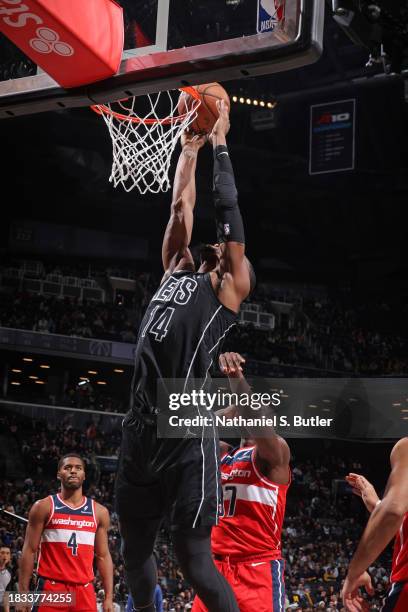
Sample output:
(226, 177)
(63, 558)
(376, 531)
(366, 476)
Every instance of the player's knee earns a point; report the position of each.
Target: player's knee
(192, 568)
(134, 558)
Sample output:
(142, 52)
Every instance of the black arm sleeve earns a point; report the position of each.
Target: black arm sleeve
(230, 227)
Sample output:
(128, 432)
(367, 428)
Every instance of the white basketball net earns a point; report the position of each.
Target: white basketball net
(143, 145)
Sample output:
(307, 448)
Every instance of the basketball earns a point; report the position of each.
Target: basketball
(207, 112)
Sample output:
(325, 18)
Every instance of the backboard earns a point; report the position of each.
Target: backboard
(174, 43)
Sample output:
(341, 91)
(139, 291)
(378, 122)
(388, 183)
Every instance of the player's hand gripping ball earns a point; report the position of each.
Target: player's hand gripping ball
(208, 112)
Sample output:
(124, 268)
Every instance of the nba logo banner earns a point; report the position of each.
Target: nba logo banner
(270, 14)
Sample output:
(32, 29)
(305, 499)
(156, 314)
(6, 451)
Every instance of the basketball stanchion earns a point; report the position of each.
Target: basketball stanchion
(143, 144)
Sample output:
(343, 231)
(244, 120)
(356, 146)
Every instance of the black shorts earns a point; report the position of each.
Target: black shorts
(172, 478)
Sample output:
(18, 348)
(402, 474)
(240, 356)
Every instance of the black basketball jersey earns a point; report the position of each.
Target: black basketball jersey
(180, 335)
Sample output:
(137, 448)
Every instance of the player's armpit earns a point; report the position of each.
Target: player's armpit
(183, 261)
(232, 293)
(234, 261)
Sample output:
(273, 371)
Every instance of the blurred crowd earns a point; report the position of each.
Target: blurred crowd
(328, 334)
(322, 526)
(68, 316)
(369, 339)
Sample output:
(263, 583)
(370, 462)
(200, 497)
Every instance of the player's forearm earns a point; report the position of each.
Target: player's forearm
(26, 569)
(382, 526)
(218, 138)
(229, 224)
(105, 569)
(184, 180)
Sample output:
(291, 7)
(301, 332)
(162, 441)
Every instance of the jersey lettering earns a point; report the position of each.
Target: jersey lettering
(72, 544)
(68, 541)
(160, 327)
(181, 288)
(185, 291)
(230, 492)
(252, 505)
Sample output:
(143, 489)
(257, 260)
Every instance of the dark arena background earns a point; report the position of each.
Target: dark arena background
(326, 231)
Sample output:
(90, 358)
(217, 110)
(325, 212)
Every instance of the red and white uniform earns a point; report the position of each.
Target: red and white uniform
(399, 571)
(397, 598)
(66, 556)
(247, 541)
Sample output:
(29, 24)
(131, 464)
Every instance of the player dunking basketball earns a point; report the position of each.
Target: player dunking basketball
(389, 518)
(246, 543)
(69, 531)
(178, 338)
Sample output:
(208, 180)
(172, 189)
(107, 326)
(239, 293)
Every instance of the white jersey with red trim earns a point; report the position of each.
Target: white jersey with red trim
(253, 512)
(399, 571)
(67, 542)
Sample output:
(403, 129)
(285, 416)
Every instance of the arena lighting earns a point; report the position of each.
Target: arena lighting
(15, 383)
(45, 367)
(254, 102)
(39, 382)
(16, 371)
(118, 371)
(397, 404)
(92, 372)
(101, 382)
(83, 380)
(27, 359)
(33, 377)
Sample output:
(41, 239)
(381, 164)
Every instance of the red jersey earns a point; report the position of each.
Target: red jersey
(254, 509)
(67, 542)
(399, 571)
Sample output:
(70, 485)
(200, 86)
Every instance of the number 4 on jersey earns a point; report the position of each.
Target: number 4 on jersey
(72, 544)
(160, 327)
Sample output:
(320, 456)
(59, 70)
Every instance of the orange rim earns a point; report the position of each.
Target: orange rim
(102, 109)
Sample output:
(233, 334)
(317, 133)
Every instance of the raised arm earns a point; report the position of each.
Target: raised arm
(383, 524)
(270, 448)
(177, 237)
(230, 227)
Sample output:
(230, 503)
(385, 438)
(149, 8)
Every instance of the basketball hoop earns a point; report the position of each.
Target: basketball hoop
(142, 141)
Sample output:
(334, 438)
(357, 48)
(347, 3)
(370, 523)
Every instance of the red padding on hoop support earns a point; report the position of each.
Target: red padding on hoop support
(75, 41)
